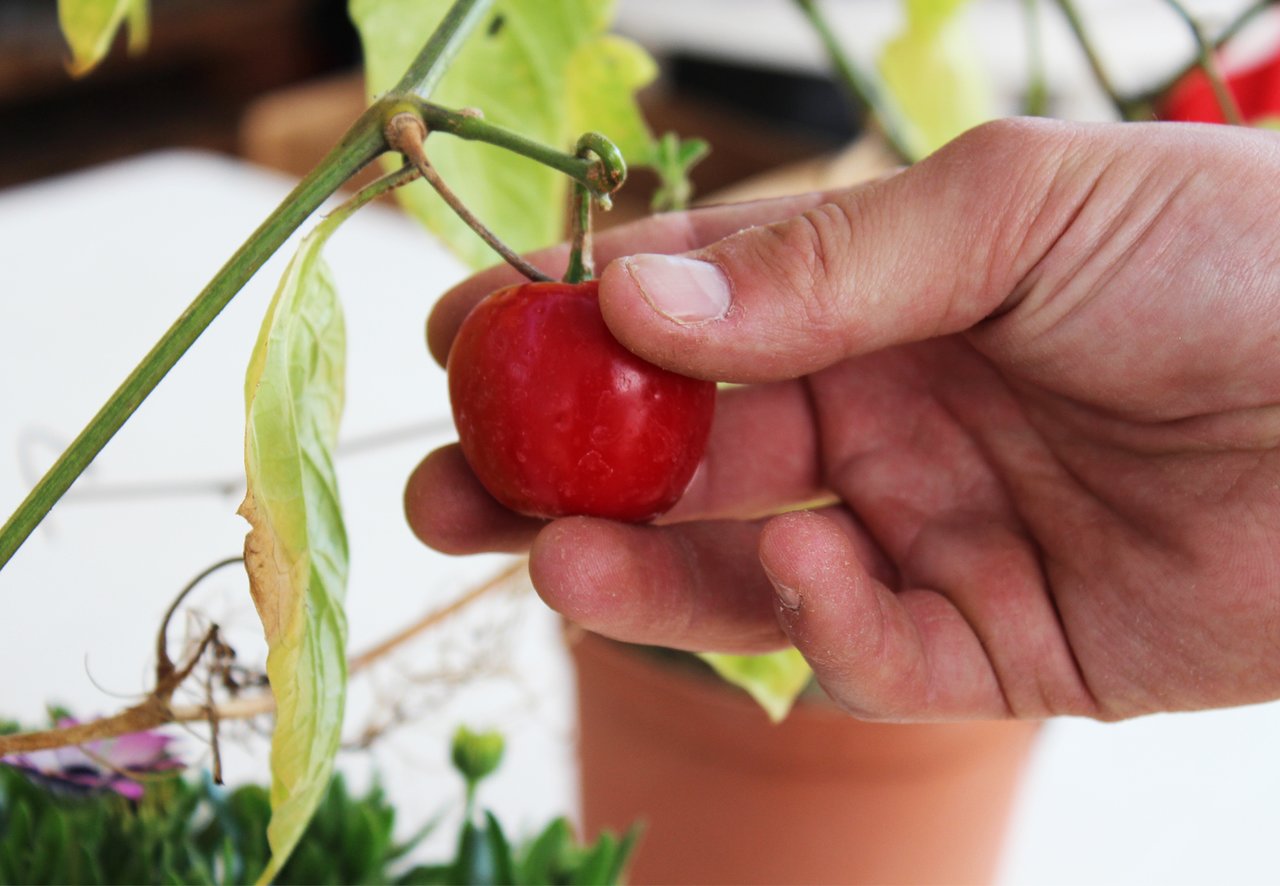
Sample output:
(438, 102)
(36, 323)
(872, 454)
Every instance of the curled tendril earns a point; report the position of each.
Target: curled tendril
(610, 169)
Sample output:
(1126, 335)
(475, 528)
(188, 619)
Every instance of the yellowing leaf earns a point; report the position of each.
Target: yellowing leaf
(539, 67)
(296, 550)
(934, 73)
(774, 680)
(91, 25)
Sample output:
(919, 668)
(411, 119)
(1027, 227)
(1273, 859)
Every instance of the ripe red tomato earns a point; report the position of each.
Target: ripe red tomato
(557, 418)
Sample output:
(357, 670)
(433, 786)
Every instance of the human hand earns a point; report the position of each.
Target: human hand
(1036, 378)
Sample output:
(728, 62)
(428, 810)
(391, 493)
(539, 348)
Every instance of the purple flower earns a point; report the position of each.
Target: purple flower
(97, 766)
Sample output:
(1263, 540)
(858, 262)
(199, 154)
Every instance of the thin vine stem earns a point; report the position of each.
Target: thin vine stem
(896, 129)
(601, 175)
(1225, 36)
(1207, 62)
(494, 242)
(1127, 108)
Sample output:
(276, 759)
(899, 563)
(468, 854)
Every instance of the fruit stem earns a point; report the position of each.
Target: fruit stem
(610, 171)
(582, 266)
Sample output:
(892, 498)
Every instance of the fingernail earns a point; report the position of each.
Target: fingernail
(788, 597)
(683, 290)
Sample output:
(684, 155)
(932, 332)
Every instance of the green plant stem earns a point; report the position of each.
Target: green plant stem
(1227, 34)
(1037, 99)
(472, 127)
(864, 88)
(361, 145)
(363, 142)
(581, 266)
(1205, 58)
(1127, 108)
(428, 67)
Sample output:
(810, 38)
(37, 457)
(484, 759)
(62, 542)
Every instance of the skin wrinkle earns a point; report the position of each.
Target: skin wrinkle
(1133, 450)
(801, 240)
(1076, 682)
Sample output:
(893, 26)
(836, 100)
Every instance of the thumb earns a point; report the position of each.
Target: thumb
(930, 251)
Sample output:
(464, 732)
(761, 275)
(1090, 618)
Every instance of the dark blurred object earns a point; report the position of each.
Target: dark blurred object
(807, 104)
(206, 61)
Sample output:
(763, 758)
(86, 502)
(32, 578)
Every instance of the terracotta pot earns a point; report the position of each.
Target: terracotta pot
(728, 797)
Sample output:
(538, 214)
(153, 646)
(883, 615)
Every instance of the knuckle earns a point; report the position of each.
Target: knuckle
(808, 256)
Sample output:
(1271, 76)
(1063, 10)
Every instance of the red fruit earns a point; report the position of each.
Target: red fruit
(556, 418)
(1256, 90)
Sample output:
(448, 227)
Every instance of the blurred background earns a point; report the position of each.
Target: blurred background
(252, 92)
(275, 81)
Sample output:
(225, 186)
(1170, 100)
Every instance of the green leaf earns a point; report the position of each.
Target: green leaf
(500, 851)
(90, 26)
(774, 680)
(296, 552)
(673, 158)
(606, 72)
(934, 72)
(542, 68)
(1267, 122)
(623, 854)
(546, 857)
(597, 862)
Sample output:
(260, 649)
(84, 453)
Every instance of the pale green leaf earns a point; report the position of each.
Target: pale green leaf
(541, 68)
(934, 73)
(91, 25)
(774, 680)
(1267, 122)
(296, 551)
(606, 72)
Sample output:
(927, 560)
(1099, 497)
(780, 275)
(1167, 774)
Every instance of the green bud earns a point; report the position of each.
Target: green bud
(476, 754)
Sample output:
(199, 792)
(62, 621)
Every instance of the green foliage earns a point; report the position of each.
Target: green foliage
(196, 832)
(185, 832)
(90, 26)
(485, 857)
(774, 680)
(543, 68)
(934, 73)
(673, 158)
(296, 552)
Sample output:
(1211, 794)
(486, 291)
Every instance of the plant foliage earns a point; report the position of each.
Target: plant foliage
(193, 831)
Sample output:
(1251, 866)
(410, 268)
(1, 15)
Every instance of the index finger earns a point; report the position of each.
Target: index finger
(668, 233)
